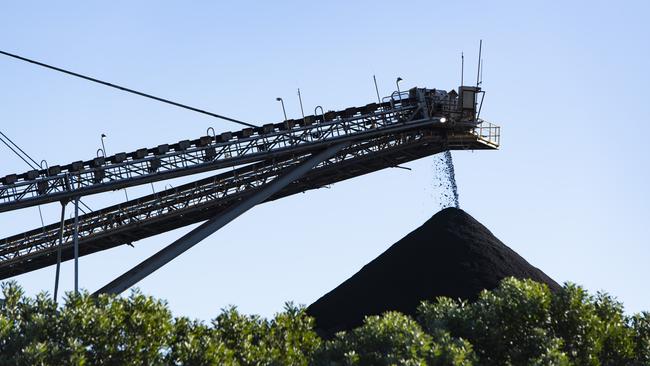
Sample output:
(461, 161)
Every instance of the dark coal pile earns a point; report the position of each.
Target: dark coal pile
(451, 255)
(445, 180)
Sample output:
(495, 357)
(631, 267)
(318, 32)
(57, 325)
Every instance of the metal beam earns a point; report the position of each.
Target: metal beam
(169, 161)
(76, 245)
(192, 238)
(199, 201)
(58, 251)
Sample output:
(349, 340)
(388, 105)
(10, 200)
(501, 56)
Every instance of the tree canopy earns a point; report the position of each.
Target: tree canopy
(519, 323)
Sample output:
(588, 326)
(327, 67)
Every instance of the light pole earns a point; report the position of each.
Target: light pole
(103, 147)
(376, 89)
(399, 93)
(283, 110)
(300, 99)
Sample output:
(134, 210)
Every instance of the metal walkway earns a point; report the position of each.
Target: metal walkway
(405, 127)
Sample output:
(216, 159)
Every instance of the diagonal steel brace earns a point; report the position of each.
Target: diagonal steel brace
(167, 254)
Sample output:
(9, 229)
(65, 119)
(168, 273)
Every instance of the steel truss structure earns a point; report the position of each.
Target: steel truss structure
(405, 127)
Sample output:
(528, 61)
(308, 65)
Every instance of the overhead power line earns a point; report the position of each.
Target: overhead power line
(126, 89)
(21, 150)
(16, 152)
(36, 166)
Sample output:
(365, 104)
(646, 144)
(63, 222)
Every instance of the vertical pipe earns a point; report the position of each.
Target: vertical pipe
(300, 99)
(376, 89)
(76, 245)
(284, 111)
(40, 213)
(58, 251)
(462, 68)
(103, 147)
(399, 92)
(478, 71)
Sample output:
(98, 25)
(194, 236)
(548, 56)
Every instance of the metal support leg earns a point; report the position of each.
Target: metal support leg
(58, 252)
(190, 239)
(75, 240)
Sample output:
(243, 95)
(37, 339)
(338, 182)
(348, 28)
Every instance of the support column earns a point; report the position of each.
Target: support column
(75, 240)
(58, 251)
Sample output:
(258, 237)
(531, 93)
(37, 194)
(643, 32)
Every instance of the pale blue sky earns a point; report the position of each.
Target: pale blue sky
(567, 81)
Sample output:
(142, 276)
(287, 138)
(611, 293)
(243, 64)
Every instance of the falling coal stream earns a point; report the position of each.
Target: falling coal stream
(445, 180)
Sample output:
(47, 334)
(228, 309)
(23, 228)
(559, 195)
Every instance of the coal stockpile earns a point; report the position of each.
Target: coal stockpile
(451, 255)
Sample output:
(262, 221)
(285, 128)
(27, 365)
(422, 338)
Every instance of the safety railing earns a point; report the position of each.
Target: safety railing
(174, 202)
(488, 133)
(175, 160)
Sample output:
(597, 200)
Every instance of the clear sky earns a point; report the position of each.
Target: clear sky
(567, 81)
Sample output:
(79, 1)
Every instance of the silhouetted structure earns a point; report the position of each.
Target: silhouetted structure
(451, 255)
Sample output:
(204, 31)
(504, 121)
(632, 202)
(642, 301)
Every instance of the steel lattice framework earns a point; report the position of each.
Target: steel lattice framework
(189, 157)
(405, 127)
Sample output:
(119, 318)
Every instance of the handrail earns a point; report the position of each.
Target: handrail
(488, 132)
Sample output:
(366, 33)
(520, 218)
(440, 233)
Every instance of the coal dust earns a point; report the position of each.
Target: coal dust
(445, 188)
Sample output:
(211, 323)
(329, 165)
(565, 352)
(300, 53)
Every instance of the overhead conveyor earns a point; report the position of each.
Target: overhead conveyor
(403, 127)
(165, 161)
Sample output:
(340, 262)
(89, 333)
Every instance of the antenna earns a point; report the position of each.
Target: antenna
(376, 88)
(300, 99)
(478, 71)
(481, 72)
(462, 67)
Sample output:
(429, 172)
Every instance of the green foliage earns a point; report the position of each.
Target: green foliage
(193, 343)
(288, 339)
(518, 323)
(522, 323)
(617, 338)
(139, 330)
(641, 338)
(508, 326)
(575, 320)
(394, 339)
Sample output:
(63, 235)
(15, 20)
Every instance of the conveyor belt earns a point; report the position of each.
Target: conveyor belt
(388, 135)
